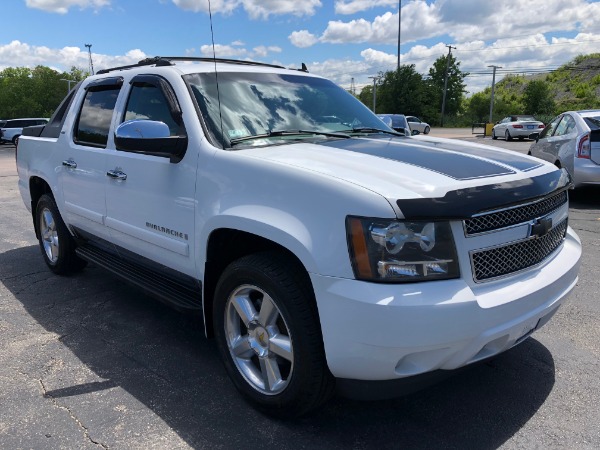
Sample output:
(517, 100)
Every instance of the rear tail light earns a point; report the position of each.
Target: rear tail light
(542, 126)
(517, 126)
(583, 147)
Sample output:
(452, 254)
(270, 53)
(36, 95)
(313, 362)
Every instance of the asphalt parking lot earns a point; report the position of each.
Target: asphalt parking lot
(90, 362)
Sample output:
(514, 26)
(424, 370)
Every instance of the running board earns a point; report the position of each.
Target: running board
(164, 288)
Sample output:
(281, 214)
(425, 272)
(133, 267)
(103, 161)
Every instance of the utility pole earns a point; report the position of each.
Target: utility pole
(375, 79)
(89, 47)
(493, 86)
(446, 82)
(399, 28)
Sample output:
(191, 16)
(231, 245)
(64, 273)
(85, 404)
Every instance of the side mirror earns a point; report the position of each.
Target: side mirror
(150, 137)
(534, 136)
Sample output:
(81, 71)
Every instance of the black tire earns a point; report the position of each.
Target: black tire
(300, 380)
(494, 137)
(15, 140)
(426, 130)
(56, 243)
(507, 136)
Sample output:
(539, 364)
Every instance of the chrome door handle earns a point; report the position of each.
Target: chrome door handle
(70, 164)
(117, 174)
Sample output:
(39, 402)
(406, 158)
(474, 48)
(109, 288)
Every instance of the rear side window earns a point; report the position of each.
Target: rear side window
(95, 116)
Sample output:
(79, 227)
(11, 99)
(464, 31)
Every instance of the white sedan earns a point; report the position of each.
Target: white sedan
(516, 127)
(417, 124)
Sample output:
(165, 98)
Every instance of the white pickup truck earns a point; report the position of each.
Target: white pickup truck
(323, 250)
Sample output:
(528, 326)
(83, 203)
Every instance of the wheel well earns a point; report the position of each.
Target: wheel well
(224, 247)
(37, 188)
(558, 164)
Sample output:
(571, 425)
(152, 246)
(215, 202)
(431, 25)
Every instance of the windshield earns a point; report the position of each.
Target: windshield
(259, 104)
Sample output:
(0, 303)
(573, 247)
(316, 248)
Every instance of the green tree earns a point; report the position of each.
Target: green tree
(401, 92)
(26, 92)
(366, 95)
(478, 106)
(456, 87)
(537, 98)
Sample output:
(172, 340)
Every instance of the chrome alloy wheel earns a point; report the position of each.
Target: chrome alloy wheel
(259, 340)
(49, 235)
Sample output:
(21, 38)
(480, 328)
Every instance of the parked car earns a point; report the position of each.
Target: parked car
(12, 129)
(397, 122)
(417, 124)
(572, 140)
(516, 127)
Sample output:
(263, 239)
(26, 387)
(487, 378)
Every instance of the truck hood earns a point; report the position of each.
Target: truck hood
(405, 170)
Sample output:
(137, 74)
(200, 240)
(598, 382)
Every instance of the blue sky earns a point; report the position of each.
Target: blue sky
(343, 40)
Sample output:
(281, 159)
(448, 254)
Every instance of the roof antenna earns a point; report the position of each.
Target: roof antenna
(212, 35)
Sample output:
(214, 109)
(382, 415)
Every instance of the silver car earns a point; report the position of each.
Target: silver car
(572, 140)
(517, 126)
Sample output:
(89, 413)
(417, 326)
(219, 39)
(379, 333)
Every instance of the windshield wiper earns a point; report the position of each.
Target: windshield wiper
(276, 133)
(373, 130)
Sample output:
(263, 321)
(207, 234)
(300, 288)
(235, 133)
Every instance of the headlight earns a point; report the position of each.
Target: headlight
(401, 251)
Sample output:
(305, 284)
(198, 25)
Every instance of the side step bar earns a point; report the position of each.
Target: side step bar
(175, 293)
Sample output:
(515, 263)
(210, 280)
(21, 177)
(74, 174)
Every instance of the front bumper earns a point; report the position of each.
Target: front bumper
(389, 331)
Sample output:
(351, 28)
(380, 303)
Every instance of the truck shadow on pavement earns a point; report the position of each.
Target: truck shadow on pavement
(119, 346)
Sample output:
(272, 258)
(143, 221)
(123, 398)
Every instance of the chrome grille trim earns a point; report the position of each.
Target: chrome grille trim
(503, 260)
(495, 220)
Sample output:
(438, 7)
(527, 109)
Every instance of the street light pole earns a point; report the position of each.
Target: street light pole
(446, 82)
(375, 79)
(68, 81)
(89, 47)
(493, 86)
(399, 28)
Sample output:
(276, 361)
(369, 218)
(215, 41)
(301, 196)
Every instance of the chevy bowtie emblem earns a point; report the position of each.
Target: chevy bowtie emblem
(541, 227)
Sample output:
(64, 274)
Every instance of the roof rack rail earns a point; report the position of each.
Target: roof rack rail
(167, 61)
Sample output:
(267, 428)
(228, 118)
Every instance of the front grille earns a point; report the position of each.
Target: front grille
(506, 259)
(513, 216)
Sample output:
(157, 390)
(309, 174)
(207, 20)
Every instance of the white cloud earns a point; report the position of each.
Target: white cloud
(223, 51)
(262, 9)
(63, 6)
(303, 39)
(339, 32)
(256, 9)
(262, 51)
(355, 6)
(235, 50)
(63, 59)
(217, 6)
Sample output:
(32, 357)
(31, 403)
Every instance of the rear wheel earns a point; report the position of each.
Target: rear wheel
(15, 140)
(268, 333)
(56, 243)
(426, 130)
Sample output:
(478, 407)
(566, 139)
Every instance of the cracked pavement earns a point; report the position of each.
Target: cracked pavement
(89, 362)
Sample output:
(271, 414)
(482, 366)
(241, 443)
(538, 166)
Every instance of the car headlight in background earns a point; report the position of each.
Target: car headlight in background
(401, 251)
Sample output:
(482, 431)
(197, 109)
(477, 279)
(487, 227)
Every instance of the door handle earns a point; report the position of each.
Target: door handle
(117, 174)
(70, 164)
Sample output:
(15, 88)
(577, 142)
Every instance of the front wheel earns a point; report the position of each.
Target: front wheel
(268, 333)
(507, 136)
(494, 137)
(56, 243)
